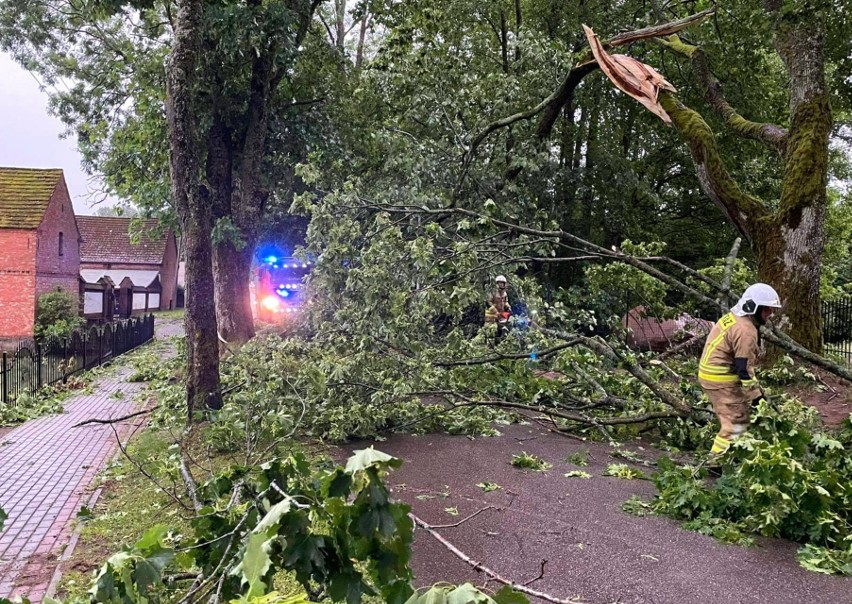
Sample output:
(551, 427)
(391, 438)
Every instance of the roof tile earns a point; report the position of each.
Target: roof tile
(25, 194)
(107, 239)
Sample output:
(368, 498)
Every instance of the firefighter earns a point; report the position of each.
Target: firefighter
(726, 370)
(501, 298)
(498, 311)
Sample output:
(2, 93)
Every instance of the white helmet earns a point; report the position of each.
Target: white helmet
(500, 279)
(755, 296)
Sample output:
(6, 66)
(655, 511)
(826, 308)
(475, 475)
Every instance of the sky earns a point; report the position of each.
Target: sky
(30, 136)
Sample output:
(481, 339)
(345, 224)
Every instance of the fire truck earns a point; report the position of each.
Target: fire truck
(279, 287)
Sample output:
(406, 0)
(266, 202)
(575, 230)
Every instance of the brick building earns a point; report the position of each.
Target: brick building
(39, 245)
(141, 259)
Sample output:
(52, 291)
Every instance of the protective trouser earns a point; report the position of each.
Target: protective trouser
(732, 406)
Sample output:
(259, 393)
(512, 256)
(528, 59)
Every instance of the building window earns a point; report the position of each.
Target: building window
(61, 244)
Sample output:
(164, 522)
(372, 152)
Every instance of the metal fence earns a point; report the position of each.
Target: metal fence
(33, 365)
(837, 327)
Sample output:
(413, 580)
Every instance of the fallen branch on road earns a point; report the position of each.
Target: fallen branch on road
(478, 566)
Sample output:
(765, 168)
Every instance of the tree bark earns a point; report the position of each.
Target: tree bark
(202, 380)
(793, 256)
(235, 173)
(233, 300)
(789, 242)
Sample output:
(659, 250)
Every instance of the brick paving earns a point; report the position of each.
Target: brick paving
(46, 471)
(46, 467)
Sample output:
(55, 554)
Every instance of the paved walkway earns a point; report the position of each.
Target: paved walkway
(46, 469)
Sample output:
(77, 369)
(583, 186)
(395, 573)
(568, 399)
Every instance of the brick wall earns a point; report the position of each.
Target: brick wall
(17, 283)
(52, 269)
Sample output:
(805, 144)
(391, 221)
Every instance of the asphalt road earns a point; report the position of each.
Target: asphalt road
(594, 551)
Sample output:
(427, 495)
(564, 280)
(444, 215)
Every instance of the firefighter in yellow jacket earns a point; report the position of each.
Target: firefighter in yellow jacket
(726, 370)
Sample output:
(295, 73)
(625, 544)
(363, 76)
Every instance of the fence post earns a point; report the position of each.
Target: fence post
(38, 366)
(64, 360)
(100, 346)
(5, 379)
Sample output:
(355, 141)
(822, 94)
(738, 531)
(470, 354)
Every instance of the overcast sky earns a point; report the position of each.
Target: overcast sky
(30, 136)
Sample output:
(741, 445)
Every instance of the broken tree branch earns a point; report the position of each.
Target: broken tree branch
(189, 482)
(779, 338)
(565, 93)
(776, 336)
(478, 566)
(771, 135)
(114, 420)
(502, 357)
(553, 104)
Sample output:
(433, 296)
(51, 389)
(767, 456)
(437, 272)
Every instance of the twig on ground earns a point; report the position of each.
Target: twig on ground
(478, 566)
(540, 574)
(114, 420)
(189, 481)
(145, 473)
(462, 521)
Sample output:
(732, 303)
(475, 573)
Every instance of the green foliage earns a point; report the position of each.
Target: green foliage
(57, 314)
(487, 487)
(577, 474)
(785, 372)
(465, 594)
(837, 257)
(3, 518)
(622, 470)
(742, 276)
(332, 526)
(636, 506)
(579, 458)
(530, 462)
(623, 287)
(785, 478)
(132, 574)
(29, 405)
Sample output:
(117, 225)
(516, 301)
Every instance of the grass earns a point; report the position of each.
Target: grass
(131, 503)
(169, 314)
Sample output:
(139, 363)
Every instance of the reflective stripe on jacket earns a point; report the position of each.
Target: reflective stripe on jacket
(731, 337)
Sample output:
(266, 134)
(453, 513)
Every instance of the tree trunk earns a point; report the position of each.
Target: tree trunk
(362, 36)
(340, 23)
(233, 301)
(793, 256)
(202, 379)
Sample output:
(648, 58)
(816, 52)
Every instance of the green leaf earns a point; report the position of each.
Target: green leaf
(273, 516)
(435, 595)
(577, 474)
(149, 570)
(467, 594)
(507, 595)
(368, 458)
(152, 539)
(489, 486)
(85, 513)
(622, 470)
(340, 484)
(255, 563)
